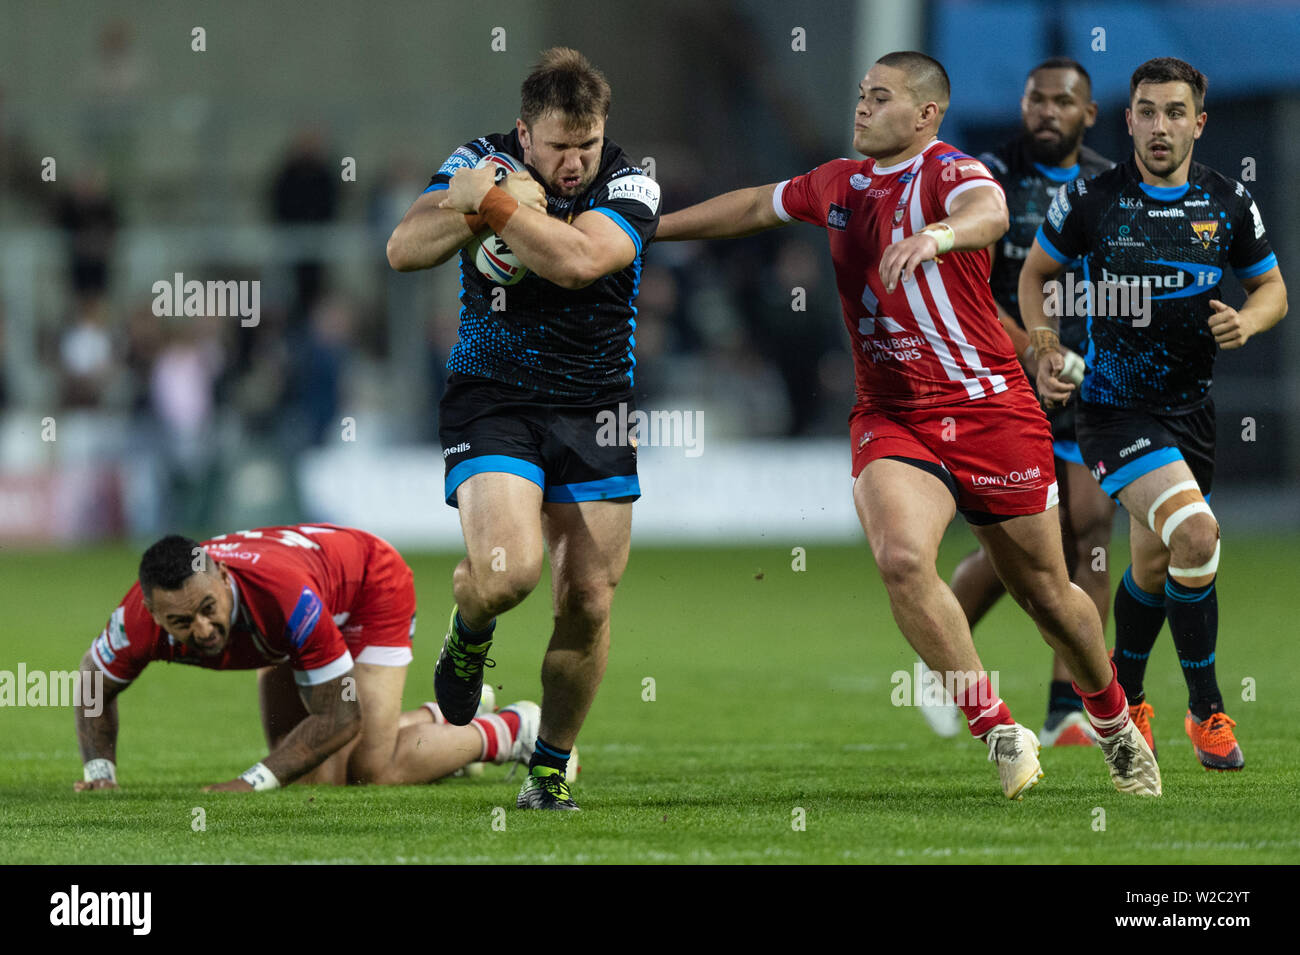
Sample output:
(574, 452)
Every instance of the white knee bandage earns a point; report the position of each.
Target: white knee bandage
(1211, 566)
(1166, 528)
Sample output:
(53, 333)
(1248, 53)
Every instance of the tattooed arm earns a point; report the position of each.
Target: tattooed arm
(97, 728)
(334, 718)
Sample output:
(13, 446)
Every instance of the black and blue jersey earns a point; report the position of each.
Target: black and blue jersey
(569, 345)
(1030, 188)
(1171, 243)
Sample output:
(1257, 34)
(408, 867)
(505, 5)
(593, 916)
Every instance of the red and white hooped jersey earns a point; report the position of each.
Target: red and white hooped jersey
(293, 588)
(936, 338)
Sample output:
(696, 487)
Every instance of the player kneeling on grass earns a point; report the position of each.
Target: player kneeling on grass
(326, 614)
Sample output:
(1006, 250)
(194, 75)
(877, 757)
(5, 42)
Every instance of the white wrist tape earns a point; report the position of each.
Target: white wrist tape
(96, 769)
(943, 235)
(260, 778)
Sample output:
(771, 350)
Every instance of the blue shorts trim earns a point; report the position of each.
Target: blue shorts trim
(500, 463)
(622, 224)
(436, 186)
(1113, 483)
(625, 485)
(1068, 451)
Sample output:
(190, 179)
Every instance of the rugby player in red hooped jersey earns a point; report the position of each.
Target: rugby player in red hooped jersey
(945, 419)
(327, 614)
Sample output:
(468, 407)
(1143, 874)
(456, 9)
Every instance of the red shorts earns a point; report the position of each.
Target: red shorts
(381, 623)
(995, 453)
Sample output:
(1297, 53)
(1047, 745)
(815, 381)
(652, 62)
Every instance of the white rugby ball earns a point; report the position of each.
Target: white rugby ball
(492, 257)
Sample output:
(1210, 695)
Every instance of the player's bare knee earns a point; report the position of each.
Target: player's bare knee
(503, 586)
(903, 568)
(584, 608)
(1194, 542)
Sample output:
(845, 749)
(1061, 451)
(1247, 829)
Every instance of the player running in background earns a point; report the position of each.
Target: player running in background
(525, 463)
(945, 420)
(1055, 111)
(326, 614)
(1155, 234)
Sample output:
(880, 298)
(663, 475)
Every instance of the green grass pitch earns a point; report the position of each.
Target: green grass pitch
(771, 695)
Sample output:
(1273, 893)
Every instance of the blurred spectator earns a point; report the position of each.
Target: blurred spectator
(88, 216)
(85, 354)
(305, 192)
(182, 391)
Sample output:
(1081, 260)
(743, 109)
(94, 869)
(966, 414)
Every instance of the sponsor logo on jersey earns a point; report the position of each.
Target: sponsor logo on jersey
(1203, 278)
(305, 616)
(1193, 203)
(116, 631)
(1259, 223)
(865, 439)
(102, 648)
(859, 181)
(1130, 202)
(1137, 445)
(462, 158)
(949, 157)
(1241, 190)
(636, 188)
(1059, 209)
(907, 177)
(1205, 231)
(837, 217)
(458, 449)
(1080, 187)
(1166, 214)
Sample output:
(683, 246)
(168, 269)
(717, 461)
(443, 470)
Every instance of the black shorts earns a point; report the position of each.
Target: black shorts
(572, 452)
(1122, 444)
(1065, 439)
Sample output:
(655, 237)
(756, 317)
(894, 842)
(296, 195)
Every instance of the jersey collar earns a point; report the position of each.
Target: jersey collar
(1058, 173)
(879, 170)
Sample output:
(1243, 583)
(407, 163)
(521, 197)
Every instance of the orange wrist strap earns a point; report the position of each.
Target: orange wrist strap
(497, 207)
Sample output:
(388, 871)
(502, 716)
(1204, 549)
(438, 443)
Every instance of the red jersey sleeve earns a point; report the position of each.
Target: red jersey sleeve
(317, 651)
(128, 642)
(956, 174)
(801, 197)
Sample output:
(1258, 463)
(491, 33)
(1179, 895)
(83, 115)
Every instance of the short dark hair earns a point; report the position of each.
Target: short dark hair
(926, 77)
(1168, 69)
(170, 562)
(564, 82)
(1064, 63)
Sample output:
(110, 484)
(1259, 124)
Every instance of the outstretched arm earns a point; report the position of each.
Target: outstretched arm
(334, 718)
(728, 216)
(97, 731)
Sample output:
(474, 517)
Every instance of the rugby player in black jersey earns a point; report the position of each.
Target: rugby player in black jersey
(526, 461)
(1155, 234)
(1056, 110)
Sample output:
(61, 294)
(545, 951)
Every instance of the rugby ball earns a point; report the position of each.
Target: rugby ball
(492, 257)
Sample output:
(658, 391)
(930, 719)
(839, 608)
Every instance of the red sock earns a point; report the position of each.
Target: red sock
(1107, 709)
(985, 710)
(498, 731)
